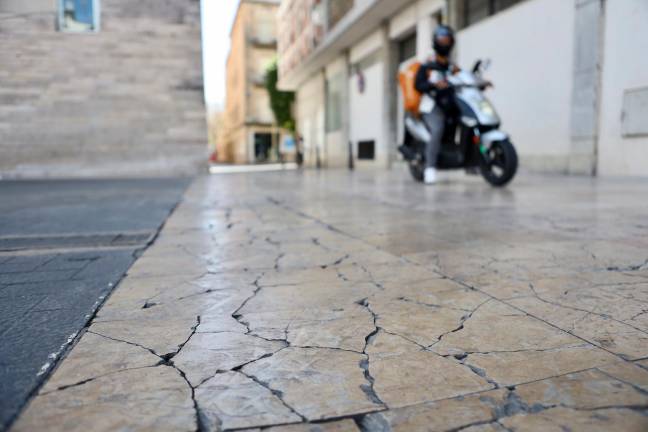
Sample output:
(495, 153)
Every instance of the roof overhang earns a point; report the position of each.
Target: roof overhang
(357, 24)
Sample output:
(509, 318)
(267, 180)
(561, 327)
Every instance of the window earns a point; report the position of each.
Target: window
(472, 11)
(334, 89)
(407, 48)
(78, 15)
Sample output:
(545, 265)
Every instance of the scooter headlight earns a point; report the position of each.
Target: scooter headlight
(486, 107)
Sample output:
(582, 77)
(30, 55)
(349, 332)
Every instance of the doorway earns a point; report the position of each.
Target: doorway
(262, 147)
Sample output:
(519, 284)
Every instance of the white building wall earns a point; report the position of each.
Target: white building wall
(531, 47)
(366, 108)
(367, 111)
(337, 146)
(404, 22)
(310, 118)
(625, 67)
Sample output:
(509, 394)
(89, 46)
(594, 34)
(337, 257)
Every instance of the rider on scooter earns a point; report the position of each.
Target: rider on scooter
(438, 100)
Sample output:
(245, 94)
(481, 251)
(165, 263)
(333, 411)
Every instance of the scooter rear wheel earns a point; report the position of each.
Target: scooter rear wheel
(499, 164)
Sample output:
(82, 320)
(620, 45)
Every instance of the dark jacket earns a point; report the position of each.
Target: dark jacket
(444, 98)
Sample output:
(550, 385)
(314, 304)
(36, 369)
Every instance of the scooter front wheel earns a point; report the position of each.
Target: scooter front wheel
(499, 163)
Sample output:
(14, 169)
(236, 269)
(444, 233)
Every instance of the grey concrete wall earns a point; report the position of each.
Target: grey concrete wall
(127, 100)
(588, 36)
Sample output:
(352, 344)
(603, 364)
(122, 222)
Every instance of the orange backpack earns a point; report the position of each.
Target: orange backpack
(407, 80)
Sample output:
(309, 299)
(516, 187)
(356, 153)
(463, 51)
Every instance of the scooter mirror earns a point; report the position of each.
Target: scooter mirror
(486, 64)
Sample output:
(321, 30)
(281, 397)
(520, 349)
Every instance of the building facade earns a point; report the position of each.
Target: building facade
(101, 88)
(569, 84)
(250, 134)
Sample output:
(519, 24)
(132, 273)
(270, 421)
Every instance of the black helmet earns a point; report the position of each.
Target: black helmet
(443, 49)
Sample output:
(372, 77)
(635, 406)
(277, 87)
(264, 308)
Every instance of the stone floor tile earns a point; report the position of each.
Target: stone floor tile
(232, 400)
(161, 336)
(434, 292)
(488, 329)
(562, 419)
(588, 390)
(205, 354)
(629, 373)
(159, 396)
(444, 415)
(598, 329)
(317, 383)
(344, 327)
(404, 374)
(96, 356)
(334, 426)
(307, 297)
(418, 322)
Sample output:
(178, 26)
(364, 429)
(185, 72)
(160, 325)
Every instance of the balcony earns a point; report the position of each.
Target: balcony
(258, 41)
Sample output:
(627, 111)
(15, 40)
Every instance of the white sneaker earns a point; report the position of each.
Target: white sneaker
(430, 176)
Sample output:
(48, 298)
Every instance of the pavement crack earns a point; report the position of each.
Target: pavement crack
(170, 355)
(237, 315)
(276, 262)
(88, 380)
(336, 262)
(274, 243)
(431, 305)
(368, 388)
(200, 426)
(239, 367)
(587, 311)
(412, 341)
(464, 354)
(317, 243)
(207, 291)
(276, 393)
(462, 322)
(480, 372)
(341, 275)
(372, 280)
(166, 361)
(630, 268)
(150, 350)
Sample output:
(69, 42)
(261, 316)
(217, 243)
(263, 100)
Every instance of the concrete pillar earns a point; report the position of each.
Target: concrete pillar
(586, 93)
(389, 57)
(424, 27)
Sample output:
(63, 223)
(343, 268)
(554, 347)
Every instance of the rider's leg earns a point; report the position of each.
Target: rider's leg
(435, 122)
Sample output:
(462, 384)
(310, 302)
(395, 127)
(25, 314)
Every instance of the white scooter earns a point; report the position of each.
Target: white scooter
(471, 140)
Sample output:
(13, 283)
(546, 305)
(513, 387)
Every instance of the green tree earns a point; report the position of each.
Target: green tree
(280, 101)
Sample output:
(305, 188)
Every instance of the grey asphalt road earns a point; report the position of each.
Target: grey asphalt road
(64, 245)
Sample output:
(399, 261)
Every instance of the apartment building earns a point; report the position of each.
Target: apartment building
(250, 134)
(570, 84)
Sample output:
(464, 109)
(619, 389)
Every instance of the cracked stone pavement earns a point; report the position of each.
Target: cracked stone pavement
(329, 301)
